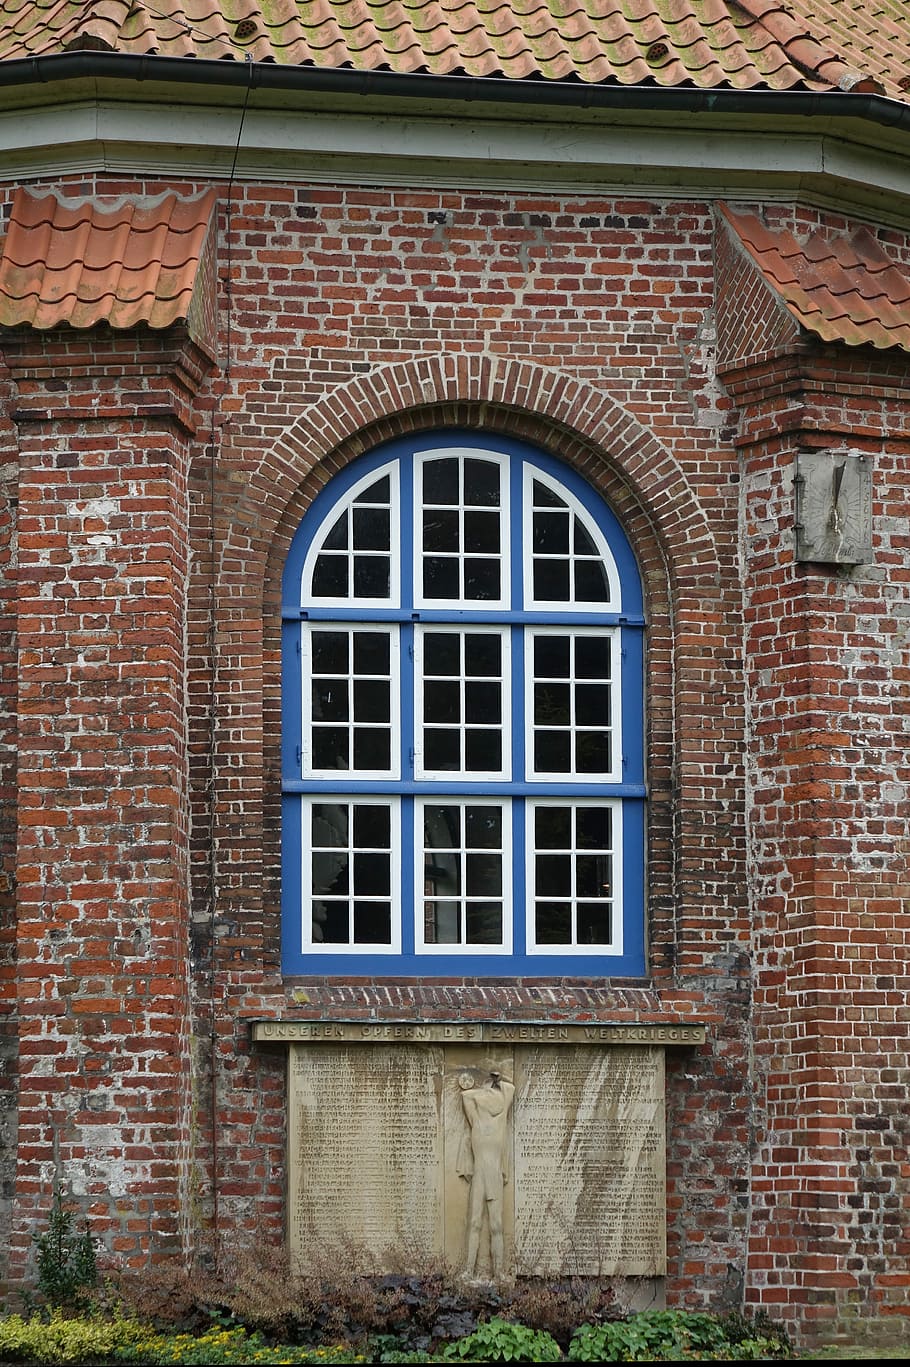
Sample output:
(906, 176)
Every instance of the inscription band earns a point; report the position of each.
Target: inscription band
(486, 1032)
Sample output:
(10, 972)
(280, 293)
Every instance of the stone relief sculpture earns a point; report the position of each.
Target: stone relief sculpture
(483, 1161)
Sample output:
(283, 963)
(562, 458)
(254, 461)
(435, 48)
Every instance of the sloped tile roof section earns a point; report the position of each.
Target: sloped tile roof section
(126, 263)
(842, 289)
(709, 44)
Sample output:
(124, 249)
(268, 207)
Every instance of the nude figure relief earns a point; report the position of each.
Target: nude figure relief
(483, 1161)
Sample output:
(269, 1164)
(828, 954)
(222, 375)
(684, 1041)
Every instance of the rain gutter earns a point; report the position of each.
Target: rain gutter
(268, 76)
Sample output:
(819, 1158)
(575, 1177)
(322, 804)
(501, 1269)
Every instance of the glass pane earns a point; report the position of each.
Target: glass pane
(440, 481)
(592, 704)
(442, 923)
(442, 702)
(441, 654)
(330, 700)
(372, 700)
(594, 921)
(583, 541)
(591, 583)
(554, 875)
(441, 826)
(483, 828)
(552, 704)
(483, 702)
(330, 872)
(330, 577)
(442, 749)
(330, 825)
(371, 576)
(553, 752)
(335, 928)
(372, 650)
(483, 923)
(330, 652)
(372, 923)
(380, 492)
(371, 529)
(481, 483)
(551, 581)
(545, 498)
(592, 657)
(372, 874)
(481, 533)
(553, 828)
(483, 655)
(551, 533)
(372, 748)
(330, 747)
(483, 751)
(440, 577)
(483, 875)
(592, 875)
(372, 826)
(481, 579)
(592, 752)
(552, 659)
(337, 539)
(592, 828)
(553, 923)
(441, 531)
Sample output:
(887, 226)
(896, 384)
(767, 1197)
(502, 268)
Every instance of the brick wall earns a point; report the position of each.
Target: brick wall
(589, 325)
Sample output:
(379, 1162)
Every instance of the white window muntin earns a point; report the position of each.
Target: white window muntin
(309, 944)
(503, 556)
(345, 505)
(310, 768)
(614, 773)
(464, 900)
(614, 902)
(422, 770)
(614, 601)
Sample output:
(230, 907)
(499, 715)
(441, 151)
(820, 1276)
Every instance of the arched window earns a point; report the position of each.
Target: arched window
(463, 770)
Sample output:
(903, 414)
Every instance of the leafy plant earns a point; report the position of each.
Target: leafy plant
(673, 1335)
(56, 1339)
(499, 1340)
(67, 1269)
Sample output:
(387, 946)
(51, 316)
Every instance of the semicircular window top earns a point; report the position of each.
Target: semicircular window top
(462, 743)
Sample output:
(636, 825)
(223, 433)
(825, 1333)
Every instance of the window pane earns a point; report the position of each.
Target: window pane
(440, 577)
(331, 747)
(544, 496)
(372, 652)
(592, 752)
(552, 752)
(481, 533)
(372, 700)
(553, 828)
(441, 653)
(483, 827)
(372, 923)
(330, 872)
(330, 825)
(463, 874)
(373, 826)
(350, 883)
(330, 652)
(330, 700)
(551, 581)
(483, 655)
(594, 923)
(572, 873)
(442, 749)
(330, 577)
(551, 533)
(591, 583)
(371, 576)
(441, 702)
(440, 481)
(441, 531)
(482, 752)
(592, 704)
(552, 657)
(484, 923)
(371, 529)
(372, 748)
(378, 492)
(593, 828)
(553, 923)
(481, 483)
(552, 704)
(483, 703)
(337, 539)
(571, 703)
(481, 579)
(592, 657)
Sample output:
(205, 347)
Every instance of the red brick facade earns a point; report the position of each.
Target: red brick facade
(158, 492)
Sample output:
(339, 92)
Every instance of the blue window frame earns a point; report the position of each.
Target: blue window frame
(462, 744)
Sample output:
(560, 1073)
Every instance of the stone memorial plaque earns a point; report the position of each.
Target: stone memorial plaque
(366, 1154)
(590, 1162)
(504, 1158)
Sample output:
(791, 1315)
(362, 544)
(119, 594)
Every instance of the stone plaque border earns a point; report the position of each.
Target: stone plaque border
(473, 1032)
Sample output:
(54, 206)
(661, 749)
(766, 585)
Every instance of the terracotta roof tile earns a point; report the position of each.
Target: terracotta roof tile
(745, 44)
(83, 262)
(842, 289)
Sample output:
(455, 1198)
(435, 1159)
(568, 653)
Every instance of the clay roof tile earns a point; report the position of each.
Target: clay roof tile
(84, 262)
(842, 289)
(745, 44)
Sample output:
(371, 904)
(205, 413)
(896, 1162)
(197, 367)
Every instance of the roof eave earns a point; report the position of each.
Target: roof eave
(193, 71)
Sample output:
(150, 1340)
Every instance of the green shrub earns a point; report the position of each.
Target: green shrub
(671, 1336)
(500, 1341)
(67, 1271)
(224, 1346)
